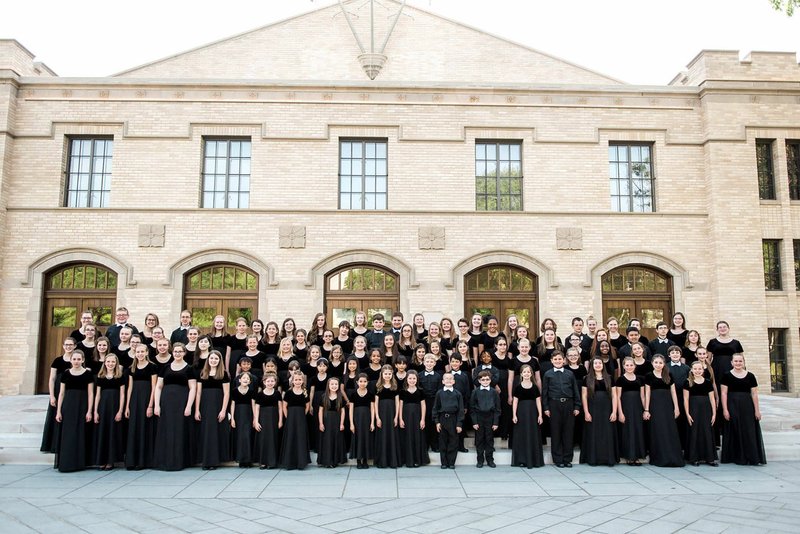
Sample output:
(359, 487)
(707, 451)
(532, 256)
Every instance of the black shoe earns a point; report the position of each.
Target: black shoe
(452, 466)
(695, 464)
(262, 467)
(560, 465)
(491, 463)
(567, 464)
(444, 466)
(463, 449)
(713, 464)
(479, 464)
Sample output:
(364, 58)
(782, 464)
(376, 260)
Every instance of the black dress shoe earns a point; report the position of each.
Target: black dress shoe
(479, 464)
(567, 464)
(463, 449)
(452, 466)
(559, 465)
(444, 466)
(491, 463)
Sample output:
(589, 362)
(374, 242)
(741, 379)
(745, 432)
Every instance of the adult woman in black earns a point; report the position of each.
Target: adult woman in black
(741, 435)
(174, 399)
(211, 410)
(600, 413)
(139, 411)
(73, 415)
(60, 364)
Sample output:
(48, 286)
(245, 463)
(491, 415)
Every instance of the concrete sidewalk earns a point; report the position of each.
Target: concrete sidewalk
(424, 500)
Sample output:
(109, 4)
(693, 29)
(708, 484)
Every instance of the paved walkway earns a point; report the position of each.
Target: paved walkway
(425, 500)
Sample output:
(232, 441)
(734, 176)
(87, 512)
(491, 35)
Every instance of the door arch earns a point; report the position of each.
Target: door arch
(363, 286)
(225, 289)
(69, 291)
(502, 290)
(637, 291)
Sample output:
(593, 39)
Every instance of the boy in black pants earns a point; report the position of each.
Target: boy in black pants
(484, 408)
(430, 381)
(463, 384)
(562, 403)
(448, 414)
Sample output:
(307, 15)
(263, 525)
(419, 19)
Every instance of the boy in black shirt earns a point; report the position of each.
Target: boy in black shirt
(448, 414)
(463, 384)
(561, 401)
(484, 407)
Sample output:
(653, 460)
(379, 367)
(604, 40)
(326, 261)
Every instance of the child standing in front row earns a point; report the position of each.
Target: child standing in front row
(430, 381)
(700, 404)
(331, 426)
(413, 445)
(484, 408)
(448, 414)
(362, 422)
(562, 402)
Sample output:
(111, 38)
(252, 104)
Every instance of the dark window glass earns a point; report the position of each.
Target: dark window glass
(778, 372)
(793, 168)
(766, 175)
(772, 264)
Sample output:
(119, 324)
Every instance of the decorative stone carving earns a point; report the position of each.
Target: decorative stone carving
(292, 236)
(152, 235)
(569, 238)
(431, 237)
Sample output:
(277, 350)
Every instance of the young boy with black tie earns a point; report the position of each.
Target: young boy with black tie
(448, 414)
(562, 402)
(484, 408)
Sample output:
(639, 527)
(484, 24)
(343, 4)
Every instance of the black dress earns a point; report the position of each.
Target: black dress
(700, 436)
(331, 441)
(741, 435)
(141, 428)
(413, 443)
(665, 444)
(526, 449)
(173, 450)
(632, 444)
(243, 442)
(580, 373)
(74, 443)
(599, 445)
(238, 348)
(361, 446)
(213, 442)
(387, 439)
(643, 369)
(504, 365)
(267, 449)
(294, 449)
(51, 427)
(109, 442)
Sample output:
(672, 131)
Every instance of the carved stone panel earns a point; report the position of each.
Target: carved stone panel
(569, 238)
(151, 235)
(290, 236)
(431, 237)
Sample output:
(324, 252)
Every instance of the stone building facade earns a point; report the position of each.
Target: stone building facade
(606, 198)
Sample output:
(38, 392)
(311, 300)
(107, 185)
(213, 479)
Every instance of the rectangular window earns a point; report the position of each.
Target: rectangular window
(498, 176)
(630, 168)
(793, 166)
(766, 174)
(778, 372)
(772, 264)
(226, 173)
(89, 173)
(796, 244)
(363, 174)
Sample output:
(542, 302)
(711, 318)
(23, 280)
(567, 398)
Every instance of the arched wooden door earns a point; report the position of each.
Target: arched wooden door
(502, 290)
(69, 291)
(221, 289)
(366, 287)
(637, 291)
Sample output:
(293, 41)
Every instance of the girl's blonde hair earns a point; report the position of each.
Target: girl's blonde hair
(219, 374)
(103, 372)
(392, 382)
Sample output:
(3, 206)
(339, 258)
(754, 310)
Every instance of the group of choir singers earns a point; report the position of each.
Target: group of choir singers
(267, 395)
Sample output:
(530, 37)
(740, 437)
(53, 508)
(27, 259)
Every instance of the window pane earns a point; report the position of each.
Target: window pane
(64, 316)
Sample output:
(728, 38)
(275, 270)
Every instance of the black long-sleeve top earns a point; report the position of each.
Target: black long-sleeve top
(448, 402)
(557, 385)
(485, 402)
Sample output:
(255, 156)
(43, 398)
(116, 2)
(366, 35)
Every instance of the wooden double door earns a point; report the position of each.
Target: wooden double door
(524, 309)
(205, 308)
(649, 311)
(344, 309)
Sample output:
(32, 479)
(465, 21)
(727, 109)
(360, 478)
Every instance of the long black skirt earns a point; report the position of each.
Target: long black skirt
(361, 446)
(294, 449)
(213, 444)
(109, 443)
(331, 441)
(741, 436)
(387, 439)
(50, 433)
(632, 444)
(700, 437)
(243, 442)
(268, 440)
(173, 437)
(141, 437)
(73, 447)
(599, 445)
(526, 449)
(413, 442)
(665, 445)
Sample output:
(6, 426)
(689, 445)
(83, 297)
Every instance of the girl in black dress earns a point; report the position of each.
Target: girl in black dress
(475, 333)
(629, 390)
(270, 341)
(442, 362)
(741, 436)
(701, 410)
(510, 332)
(211, 411)
(109, 405)
(267, 422)
(300, 347)
(73, 415)
(242, 420)
(87, 344)
(505, 364)
(343, 339)
(545, 349)
(406, 342)
(360, 352)
(337, 366)
(317, 329)
(413, 442)
(331, 426)
(327, 344)
(434, 334)
(236, 344)
(362, 422)
(607, 353)
(643, 367)
(193, 335)
(257, 329)
(60, 364)
(578, 369)
(489, 338)
(526, 448)
(296, 404)
(722, 348)
(175, 395)
(524, 358)
(401, 372)
(95, 358)
(287, 328)
(418, 358)
(617, 339)
(387, 418)
(142, 380)
(690, 349)
(448, 335)
(359, 325)
(218, 335)
(163, 357)
(600, 413)
(420, 332)
(204, 348)
(390, 351)
(373, 370)
(661, 409)
(283, 358)
(677, 330)
(257, 358)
